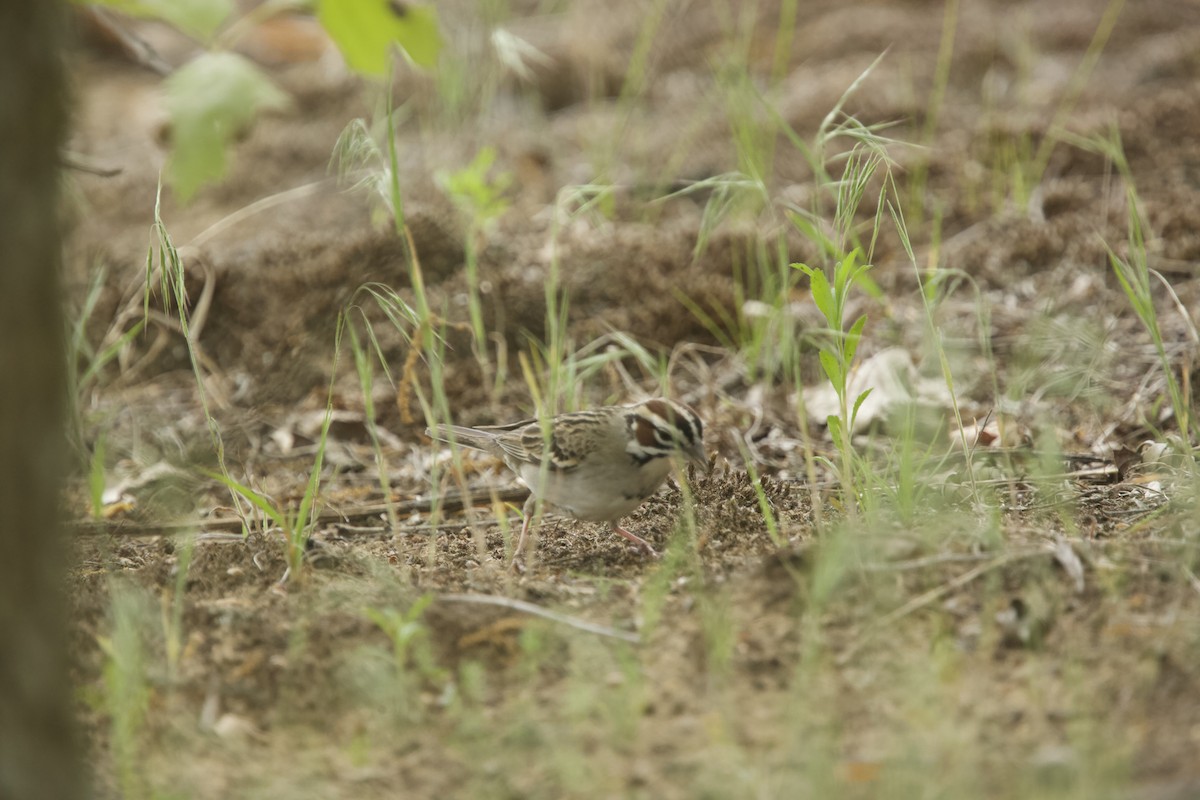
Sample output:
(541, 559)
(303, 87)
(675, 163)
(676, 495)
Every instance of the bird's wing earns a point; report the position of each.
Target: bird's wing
(527, 441)
(568, 440)
(530, 443)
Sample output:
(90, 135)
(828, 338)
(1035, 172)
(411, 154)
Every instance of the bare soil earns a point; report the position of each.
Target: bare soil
(1046, 646)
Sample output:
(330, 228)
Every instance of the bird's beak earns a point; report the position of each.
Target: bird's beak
(696, 455)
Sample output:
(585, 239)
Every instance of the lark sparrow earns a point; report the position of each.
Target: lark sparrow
(595, 465)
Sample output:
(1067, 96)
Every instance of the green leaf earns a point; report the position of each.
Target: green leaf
(857, 405)
(833, 370)
(210, 99)
(258, 500)
(822, 295)
(198, 18)
(864, 281)
(853, 337)
(844, 269)
(472, 190)
(365, 30)
(96, 478)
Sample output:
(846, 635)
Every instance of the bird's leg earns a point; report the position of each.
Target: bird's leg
(527, 515)
(637, 540)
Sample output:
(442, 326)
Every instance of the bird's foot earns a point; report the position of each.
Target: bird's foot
(518, 557)
(638, 541)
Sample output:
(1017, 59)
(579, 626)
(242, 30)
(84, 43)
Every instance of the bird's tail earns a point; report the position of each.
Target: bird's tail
(464, 437)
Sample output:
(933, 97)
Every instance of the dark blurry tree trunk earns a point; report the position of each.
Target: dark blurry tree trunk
(38, 753)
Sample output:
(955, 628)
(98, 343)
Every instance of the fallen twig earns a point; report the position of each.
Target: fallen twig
(451, 501)
(538, 611)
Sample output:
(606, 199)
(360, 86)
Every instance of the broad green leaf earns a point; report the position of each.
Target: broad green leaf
(210, 99)
(833, 370)
(199, 18)
(822, 295)
(365, 31)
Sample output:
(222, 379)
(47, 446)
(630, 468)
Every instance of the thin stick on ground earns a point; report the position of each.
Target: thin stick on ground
(452, 501)
(544, 613)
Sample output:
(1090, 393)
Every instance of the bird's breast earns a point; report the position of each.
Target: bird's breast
(597, 493)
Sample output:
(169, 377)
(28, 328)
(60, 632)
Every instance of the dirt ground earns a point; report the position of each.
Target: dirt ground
(1044, 643)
